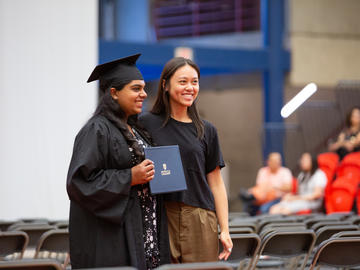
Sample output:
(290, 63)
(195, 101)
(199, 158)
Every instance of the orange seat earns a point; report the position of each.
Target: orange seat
(328, 163)
(341, 195)
(294, 188)
(350, 165)
(304, 212)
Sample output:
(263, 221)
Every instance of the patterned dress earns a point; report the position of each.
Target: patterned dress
(148, 207)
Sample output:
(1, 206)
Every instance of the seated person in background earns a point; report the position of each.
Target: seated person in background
(349, 139)
(272, 182)
(311, 185)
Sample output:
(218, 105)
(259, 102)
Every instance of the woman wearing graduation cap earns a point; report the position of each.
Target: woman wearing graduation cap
(114, 220)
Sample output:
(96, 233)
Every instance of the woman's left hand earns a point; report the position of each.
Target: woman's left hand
(225, 239)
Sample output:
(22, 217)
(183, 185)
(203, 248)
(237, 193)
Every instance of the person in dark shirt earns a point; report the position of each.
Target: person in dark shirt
(194, 214)
(348, 140)
(114, 220)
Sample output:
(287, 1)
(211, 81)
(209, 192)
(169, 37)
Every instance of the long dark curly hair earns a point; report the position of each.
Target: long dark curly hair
(110, 109)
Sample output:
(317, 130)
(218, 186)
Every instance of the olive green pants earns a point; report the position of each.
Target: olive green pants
(193, 233)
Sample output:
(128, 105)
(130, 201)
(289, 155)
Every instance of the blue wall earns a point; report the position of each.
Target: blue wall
(133, 33)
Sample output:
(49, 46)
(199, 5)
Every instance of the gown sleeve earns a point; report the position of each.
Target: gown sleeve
(103, 192)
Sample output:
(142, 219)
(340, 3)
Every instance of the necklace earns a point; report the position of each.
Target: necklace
(131, 130)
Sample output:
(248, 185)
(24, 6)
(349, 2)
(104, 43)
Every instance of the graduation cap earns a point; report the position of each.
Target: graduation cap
(118, 71)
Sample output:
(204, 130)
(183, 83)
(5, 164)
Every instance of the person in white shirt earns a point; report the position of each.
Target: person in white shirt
(311, 186)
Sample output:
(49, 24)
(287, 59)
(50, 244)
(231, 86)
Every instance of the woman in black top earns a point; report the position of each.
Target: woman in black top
(114, 220)
(194, 214)
(349, 139)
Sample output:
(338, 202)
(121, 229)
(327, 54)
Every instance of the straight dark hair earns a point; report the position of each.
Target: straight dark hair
(162, 103)
(348, 123)
(314, 164)
(314, 167)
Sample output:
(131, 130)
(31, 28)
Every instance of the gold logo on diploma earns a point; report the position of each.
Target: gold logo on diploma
(165, 171)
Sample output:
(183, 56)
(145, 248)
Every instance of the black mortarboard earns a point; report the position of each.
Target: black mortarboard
(118, 71)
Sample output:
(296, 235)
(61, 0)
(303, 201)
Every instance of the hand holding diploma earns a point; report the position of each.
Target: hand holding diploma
(142, 173)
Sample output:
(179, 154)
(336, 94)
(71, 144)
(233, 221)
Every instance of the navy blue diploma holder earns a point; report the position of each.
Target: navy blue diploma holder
(169, 172)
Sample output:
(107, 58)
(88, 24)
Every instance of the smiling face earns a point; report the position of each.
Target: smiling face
(183, 87)
(130, 97)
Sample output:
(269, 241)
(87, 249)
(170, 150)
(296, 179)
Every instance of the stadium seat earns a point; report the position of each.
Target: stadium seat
(34, 231)
(31, 264)
(54, 244)
(326, 232)
(5, 224)
(13, 245)
(245, 248)
(284, 245)
(328, 163)
(338, 252)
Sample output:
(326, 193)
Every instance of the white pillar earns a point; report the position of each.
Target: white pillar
(47, 51)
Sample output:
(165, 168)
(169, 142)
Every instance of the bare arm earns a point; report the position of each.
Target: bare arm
(287, 181)
(317, 193)
(339, 142)
(286, 187)
(352, 142)
(218, 190)
(357, 140)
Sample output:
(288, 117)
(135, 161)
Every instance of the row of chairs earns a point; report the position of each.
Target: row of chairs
(34, 228)
(52, 244)
(237, 219)
(263, 241)
(340, 251)
(53, 265)
(6, 225)
(293, 249)
(289, 242)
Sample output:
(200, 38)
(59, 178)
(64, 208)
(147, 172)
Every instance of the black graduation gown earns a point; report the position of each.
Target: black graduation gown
(105, 223)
